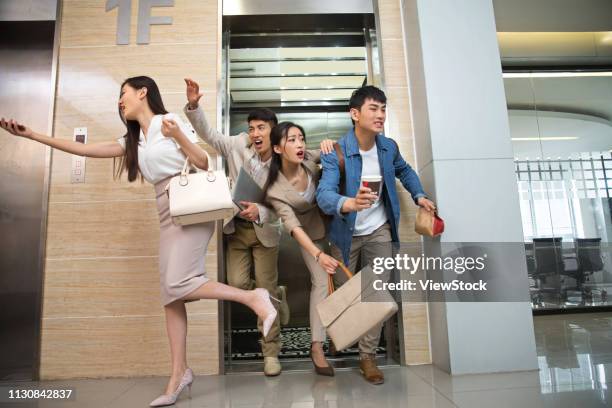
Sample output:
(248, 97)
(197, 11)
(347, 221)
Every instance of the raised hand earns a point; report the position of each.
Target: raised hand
(15, 128)
(193, 93)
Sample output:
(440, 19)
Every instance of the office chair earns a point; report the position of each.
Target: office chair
(548, 263)
(588, 255)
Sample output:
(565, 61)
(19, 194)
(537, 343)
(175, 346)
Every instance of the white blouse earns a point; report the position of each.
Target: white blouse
(159, 156)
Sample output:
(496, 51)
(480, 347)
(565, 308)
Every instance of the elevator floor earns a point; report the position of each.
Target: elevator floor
(295, 344)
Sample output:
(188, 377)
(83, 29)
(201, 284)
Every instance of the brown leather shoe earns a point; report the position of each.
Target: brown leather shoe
(370, 371)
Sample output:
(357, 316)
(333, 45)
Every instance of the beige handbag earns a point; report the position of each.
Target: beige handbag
(199, 197)
(346, 317)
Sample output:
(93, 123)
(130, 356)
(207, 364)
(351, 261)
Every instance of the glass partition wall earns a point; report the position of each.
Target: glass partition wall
(561, 129)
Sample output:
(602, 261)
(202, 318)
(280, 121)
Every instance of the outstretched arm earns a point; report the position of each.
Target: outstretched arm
(195, 114)
(411, 182)
(328, 263)
(294, 227)
(102, 149)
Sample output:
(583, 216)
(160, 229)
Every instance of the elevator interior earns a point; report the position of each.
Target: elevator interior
(304, 68)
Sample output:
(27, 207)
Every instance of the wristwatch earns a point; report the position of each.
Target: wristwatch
(317, 256)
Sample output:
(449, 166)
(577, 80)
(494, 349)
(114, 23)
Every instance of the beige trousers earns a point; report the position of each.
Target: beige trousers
(244, 251)
(318, 292)
(366, 248)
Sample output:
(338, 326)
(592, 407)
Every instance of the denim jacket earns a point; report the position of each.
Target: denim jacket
(330, 199)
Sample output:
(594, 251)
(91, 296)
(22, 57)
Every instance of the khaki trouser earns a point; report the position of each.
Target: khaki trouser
(365, 247)
(318, 292)
(243, 251)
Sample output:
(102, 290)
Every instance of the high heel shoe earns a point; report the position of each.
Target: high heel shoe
(272, 313)
(165, 399)
(326, 371)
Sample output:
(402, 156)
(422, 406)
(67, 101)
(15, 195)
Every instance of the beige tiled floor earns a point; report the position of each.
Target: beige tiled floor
(574, 355)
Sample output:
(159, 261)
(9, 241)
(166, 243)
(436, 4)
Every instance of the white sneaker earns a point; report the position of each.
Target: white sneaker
(272, 366)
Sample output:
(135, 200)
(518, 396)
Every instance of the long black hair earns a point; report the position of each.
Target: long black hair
(129, 161)
(279, 132)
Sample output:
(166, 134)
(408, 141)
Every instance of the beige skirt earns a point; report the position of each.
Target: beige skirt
(182, 251)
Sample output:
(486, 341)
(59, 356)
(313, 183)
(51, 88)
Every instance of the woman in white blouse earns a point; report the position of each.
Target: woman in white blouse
(155, 147)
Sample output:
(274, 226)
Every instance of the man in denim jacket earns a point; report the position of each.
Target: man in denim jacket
(364, 224)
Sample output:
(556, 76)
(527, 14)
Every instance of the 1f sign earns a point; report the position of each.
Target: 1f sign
(145, 20)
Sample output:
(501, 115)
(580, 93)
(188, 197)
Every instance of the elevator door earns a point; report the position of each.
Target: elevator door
(26, 52)
(307, 77)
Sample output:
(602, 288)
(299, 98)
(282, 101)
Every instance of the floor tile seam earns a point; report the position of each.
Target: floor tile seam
(131, 386)
(435, 388)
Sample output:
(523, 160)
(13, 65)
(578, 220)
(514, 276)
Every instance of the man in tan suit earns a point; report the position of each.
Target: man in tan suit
(253, 234)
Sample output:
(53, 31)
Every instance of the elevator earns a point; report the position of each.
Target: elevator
(27, 76)
(304, 67)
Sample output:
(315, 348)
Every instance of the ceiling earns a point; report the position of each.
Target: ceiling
(587, 95)
(554, 49)
(577, 109)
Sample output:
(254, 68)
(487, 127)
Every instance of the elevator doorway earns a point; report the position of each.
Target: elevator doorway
(304, 68)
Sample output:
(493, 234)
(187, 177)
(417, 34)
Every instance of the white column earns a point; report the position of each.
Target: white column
(465, 160)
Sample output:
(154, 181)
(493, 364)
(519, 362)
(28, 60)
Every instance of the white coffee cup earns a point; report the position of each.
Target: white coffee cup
(374, 183)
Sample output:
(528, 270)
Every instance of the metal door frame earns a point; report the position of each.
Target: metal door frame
(375, 76)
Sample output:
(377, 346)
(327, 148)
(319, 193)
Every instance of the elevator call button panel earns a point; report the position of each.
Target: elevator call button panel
(77, 170)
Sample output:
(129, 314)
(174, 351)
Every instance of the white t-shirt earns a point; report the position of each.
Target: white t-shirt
(370, 219)
(160, 156)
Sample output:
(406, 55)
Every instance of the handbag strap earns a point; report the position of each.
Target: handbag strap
(330, 280)
(183, 175)
(189, 164)
(186, 166)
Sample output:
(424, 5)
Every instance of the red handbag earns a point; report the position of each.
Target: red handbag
(428, 223)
